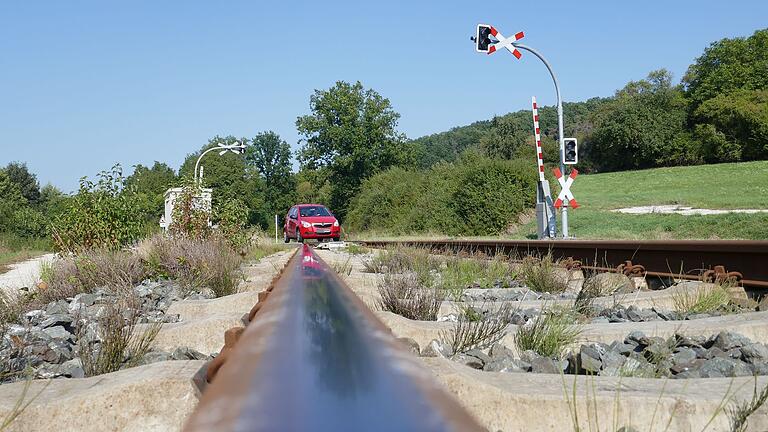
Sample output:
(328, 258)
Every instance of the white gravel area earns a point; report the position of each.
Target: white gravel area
(682, 210)
(23, 274)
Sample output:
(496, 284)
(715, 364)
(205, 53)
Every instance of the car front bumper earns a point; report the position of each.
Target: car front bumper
(317, 233)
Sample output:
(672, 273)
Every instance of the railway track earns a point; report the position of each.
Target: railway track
(313, 357)
(708, 260)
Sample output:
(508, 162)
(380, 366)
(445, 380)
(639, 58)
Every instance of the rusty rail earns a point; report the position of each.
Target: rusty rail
(315, 358)
(743, 260)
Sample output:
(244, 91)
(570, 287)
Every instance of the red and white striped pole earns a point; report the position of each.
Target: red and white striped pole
(537, 134)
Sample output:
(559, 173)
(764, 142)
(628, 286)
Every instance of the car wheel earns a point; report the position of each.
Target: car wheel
(298, 237)
(285, 237)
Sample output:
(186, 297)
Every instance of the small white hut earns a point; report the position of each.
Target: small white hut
(202, 200)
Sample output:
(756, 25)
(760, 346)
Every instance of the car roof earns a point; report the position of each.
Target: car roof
(310, 205)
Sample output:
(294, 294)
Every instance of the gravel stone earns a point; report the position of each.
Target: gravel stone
(754, 351)
(58, 332)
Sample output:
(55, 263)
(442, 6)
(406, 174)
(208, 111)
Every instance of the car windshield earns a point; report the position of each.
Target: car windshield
(311, 211)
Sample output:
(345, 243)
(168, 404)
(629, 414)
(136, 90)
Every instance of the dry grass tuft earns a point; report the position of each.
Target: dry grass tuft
(69, 276)
(405, 295)
(549, 334)
(706, 299)
(478, 332)
(343, 268)
(542, 274)
(401, 260)
(119, 344)
(196, 264)
(739, 413)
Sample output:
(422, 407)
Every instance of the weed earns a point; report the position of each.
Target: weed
(405, 295)
(549, 334)
(706, 299)
(403, 259)
(738, 414)
(69, 276)
(356, 249)
(585, 300)
(477, 331)
(120, 345)
(542, 275)
(196, 264)
(11, 308)
(263, 249)
(343, 269)
(22, 403)
(460, 273)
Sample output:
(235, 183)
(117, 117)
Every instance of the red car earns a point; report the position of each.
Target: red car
(310, 221)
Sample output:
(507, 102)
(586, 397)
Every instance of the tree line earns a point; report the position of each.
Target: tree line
(353, 158)
(718, 112)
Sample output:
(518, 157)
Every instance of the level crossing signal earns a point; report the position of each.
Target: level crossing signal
(482, 38)
(571, 154)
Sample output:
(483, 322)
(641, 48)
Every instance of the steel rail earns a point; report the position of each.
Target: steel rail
(315, 358)
(683, 259)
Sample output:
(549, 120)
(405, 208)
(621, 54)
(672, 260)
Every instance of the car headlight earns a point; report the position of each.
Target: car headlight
(335, 223)
(306, 224)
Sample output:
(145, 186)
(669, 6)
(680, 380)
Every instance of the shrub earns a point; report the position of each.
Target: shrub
(232, 217)
(475, 195)
(191, 218)
(29, 223)
(549, 334)
(493, 193)
(98, 216)
(405, 295)
(196, 264)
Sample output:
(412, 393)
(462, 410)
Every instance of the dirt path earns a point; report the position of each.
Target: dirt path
(23, 274)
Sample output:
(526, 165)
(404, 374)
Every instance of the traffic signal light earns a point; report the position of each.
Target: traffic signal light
(483, 38)
(571, 154)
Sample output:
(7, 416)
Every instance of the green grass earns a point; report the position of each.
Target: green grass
(721, 186)
(549, 335)
(14, 249)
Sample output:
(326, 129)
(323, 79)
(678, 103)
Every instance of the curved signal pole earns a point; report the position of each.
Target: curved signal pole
(560, 132)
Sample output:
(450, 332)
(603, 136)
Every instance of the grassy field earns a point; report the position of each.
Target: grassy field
(14, 249)
(722, 186)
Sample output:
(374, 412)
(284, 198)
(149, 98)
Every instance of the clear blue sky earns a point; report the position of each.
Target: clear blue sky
(85, 84)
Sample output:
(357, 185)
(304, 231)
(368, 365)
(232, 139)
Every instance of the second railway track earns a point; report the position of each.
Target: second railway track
(745, 261)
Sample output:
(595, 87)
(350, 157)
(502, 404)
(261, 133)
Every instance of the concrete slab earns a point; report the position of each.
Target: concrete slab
(203, 322)
(155, 397)
(204, 334)
(752, 325)
(538, 402)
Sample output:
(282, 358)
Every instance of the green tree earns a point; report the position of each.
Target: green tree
(152, 181)
(11, 199)
(643, 126)
(230, 179)
(352, 134)
(100, 215)
(728, 65)
(149, 186)
(25, 180)
(734, 126)
(271, 157)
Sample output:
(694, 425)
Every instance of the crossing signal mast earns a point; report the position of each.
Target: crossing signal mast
(488, 40)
